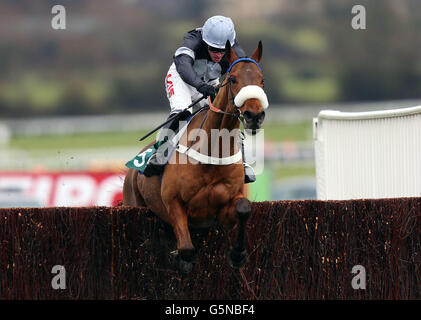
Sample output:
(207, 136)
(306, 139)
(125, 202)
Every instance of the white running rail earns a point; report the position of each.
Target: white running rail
(362, 155)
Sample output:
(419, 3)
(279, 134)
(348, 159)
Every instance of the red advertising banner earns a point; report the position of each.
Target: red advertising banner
(55, 189)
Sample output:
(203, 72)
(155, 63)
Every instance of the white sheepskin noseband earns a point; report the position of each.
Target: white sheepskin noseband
(251, 92)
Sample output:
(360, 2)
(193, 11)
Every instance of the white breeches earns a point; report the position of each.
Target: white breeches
(181, 94)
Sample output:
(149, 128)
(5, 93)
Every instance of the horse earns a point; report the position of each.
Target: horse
(199, 194)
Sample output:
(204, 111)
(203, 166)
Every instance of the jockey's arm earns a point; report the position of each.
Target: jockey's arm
(184, 58)
(184, 65)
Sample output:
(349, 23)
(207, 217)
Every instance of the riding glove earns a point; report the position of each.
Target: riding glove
(207, 90)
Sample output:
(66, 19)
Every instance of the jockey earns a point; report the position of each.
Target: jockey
(198, 64)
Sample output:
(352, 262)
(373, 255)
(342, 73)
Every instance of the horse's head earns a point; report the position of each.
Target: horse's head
(246, 87)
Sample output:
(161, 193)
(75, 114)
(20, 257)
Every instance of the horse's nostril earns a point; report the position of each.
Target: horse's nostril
(248, 116)
(254, 118)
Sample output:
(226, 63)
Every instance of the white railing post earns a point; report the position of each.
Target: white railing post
(373, 154)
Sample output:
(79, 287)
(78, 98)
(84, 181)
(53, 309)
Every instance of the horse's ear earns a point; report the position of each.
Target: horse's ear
(257, 54)
(230, 53)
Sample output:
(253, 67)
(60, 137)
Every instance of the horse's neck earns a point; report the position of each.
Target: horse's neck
(219, 122)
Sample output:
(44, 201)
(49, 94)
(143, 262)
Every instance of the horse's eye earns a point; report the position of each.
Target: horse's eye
(233, 79)
(263, 82)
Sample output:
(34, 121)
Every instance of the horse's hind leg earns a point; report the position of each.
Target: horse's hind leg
(131, 194)
(185, 248)
(238, 254)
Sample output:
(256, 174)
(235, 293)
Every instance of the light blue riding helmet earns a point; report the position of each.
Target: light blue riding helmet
(217, 30)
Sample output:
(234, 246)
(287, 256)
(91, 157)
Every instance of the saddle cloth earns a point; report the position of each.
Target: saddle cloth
(140, 161)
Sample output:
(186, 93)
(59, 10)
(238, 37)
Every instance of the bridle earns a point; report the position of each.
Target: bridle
(237, 114)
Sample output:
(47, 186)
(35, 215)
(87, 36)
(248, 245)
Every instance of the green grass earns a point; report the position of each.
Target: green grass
(320, 89)
(49, 145)
(278, 132)
(283, 172)
(79, 141)
(40, 93)
(308, 40)
(306, 82)
(301, 131)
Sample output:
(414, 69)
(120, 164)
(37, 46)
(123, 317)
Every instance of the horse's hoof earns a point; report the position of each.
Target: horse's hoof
(184, 266)
(243, 207)
(237, 259)
(187, 254)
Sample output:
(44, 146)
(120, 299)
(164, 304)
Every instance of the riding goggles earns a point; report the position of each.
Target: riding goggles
(216, 50)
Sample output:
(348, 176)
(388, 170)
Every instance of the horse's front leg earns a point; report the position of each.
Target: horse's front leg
(238, 255)
(185, 248)
(240, 210)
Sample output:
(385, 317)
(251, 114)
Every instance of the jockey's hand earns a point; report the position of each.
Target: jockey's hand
(207, 90)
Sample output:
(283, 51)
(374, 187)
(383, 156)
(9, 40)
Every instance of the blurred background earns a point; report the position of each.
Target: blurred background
(77, 100)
